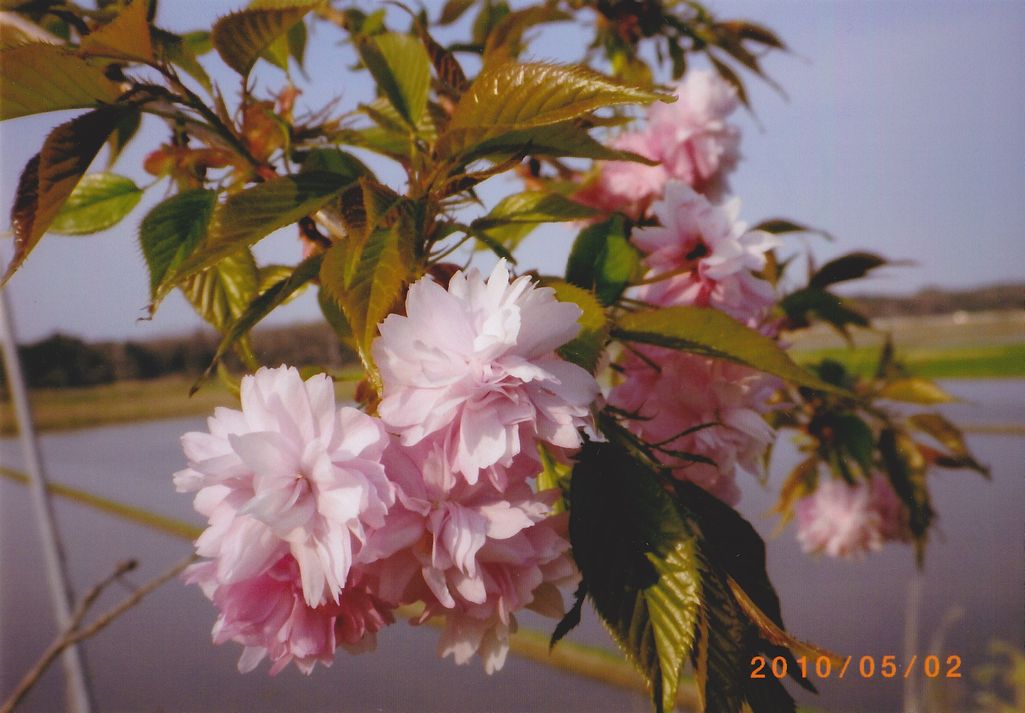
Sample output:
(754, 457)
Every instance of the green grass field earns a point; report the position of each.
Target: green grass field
(126, 401)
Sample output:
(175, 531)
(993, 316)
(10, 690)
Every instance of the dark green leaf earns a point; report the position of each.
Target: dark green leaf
(848, 267)
(780, 226)
(711, 333)
(643, 574)
(172, 230)
(603, 260)
(533, 207)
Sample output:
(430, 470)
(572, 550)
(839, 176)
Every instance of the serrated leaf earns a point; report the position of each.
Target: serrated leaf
(366, 279)
(99, 201)
(515, 97)
(915, 390)
(847, 267)
(533, 207)
(172, 230)
(586, 348)
(263, 304)
(42, 77)
(51, 175)
(127, 36)
(241, 37)
(221, 293)
(711, 333)
(603, 260)
(246, 217)
(402, 70)
(642, 574)
(179, 51)
(568, 139)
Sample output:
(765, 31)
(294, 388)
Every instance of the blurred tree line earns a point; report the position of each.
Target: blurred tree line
(63, 361)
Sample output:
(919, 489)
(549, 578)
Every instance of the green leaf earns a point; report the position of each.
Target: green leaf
(711, 333)
(127, 36)
(99, 201)
(586, 348)
(52, 174)
(241, 37)
(847, 267)
(172, 230)
(639, 563)
(221, 292)
(334, 161)
(366, 279)
(905, 467)
(603, 260)
(914, 390)
(853, 438)
(780, 226)
(402, 70)
(533, 207)
(567, 138)
(514, 97)
(43, 77)
(263, 304)
(247, 216)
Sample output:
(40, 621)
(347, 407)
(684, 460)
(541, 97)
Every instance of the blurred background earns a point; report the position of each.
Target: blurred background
(900, 129)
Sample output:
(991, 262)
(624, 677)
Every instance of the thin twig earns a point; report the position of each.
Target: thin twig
(73, 635)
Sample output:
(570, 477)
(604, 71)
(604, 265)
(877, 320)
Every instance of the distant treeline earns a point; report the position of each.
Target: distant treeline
(933, 300)
(62, 361)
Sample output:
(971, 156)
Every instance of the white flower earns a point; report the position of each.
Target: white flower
(474, 367)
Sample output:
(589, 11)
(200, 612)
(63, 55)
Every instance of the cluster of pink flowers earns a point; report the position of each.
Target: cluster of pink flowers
(690, 139)
(697, 252)
(842, 520)
(324, 520)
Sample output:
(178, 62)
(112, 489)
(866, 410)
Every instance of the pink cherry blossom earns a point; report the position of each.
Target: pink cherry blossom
(843, 520)
(474, 367)
(708, 256)
(269, 616)
(690, 139)
(288, 474)
(667, 392)
(471, 554)
(696, 144)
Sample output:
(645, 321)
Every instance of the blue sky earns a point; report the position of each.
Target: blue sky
(902, 132)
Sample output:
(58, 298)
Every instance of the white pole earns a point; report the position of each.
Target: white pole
(78, 695)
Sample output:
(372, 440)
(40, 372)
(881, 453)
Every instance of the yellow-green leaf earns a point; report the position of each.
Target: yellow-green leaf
(401, 68)
(241, 37)
(247, 216)
(127, 36)
(915, 391)
(711, 333)
(586, 348)
(99, 201)
(41, 77)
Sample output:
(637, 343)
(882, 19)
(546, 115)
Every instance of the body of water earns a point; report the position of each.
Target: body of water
(158, 657)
